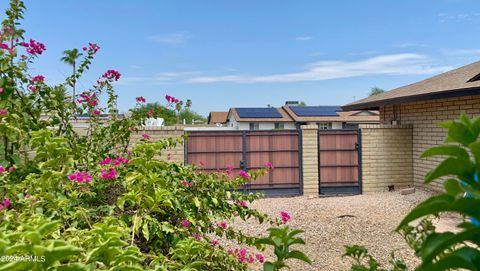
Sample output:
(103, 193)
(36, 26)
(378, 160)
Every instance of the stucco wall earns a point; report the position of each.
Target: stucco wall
(424, 117)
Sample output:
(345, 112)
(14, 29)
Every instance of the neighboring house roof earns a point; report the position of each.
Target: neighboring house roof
(325, 114)
(262, 115)
(217, 117)
(463, 81)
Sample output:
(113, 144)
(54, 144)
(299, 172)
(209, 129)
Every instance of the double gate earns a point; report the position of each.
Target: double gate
(339, 161)
(250, 150)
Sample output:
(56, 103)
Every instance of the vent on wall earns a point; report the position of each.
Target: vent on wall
(474, 79)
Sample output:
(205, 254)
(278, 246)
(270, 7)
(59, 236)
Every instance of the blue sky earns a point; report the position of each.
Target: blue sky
(223, 54)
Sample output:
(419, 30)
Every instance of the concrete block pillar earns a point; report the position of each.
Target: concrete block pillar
(310, 159)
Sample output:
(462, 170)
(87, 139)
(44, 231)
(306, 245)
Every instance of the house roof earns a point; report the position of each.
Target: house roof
(217, 117)
(463, 81)
(341, 116)
(284, 117)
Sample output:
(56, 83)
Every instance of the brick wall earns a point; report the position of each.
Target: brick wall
(157, 133)
(310, 159)
(424, 118)
(386, 157)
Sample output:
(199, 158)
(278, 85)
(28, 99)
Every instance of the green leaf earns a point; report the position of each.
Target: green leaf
(296, 254)
(452, 187)
(447, 150)
(268, 266)
(145, 231)
(458, 132)
(466, 257)
(451, 167)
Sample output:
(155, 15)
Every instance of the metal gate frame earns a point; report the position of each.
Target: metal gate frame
(243, 164)
(341, 189)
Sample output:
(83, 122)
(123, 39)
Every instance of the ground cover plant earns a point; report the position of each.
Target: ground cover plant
(95, 201)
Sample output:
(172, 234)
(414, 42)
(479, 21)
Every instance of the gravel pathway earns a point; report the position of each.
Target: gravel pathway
(330, 223)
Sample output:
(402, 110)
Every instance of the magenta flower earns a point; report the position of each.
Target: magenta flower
(111, 75)
(108, 175)
(268, 165)
(1, 90)
(4, 46)
(1, 207)
(190, 184)
(38, 79)
(222, 224)
(34, 47)
(185, 183)
(2, 170)
(121, 160)
(284, 216)
(202, 163)
(244, 174)
(146, 136)
(10, 169)
(3, 112)
(80, 177)
(92, 48)
(229, 167)
(141, 99)
(105, 161)
(96, 112)
(242, 203)
(91, 100)
(213, 243)
(260, 257)
(6, 203)
(185, 223)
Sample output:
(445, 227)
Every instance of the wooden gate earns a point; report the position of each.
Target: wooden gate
(339, 165)
(250, 150)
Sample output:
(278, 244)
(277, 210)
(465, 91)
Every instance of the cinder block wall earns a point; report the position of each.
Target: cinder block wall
(424, 118)
(158, 133)
(310, 159)
(386, 157)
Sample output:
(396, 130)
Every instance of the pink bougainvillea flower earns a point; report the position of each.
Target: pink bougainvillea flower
(146, 136)
(108, 175)
(1, 207)
(242, 203)
(190, 184)
(92, 47)
(6, 203)
(229, 167)
(251, 259)
(91, 100)
(4, 46)
(202, 163)
(96, 112)
(141, 99)
(38, 79)
(196, 236)
(260, 257)
(34, 47)
(185, 223)
(244, 174)
(105, 161)
(1, 90)
(111, 75)
(32, 88)
(214, 242)
(121, 160)
(222, 224)
(284, 216)
(185, 183)
(10, 169)
(268, 165)
(80, 177)
(2, 170)
(3, 112)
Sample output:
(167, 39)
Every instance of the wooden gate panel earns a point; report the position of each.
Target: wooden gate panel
(339, 166)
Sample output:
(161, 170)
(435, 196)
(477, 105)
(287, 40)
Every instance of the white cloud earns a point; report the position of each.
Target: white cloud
(395, 64)
(410, 44)
(171, 38)
(460, 52)
(304, 38)
(456, 17)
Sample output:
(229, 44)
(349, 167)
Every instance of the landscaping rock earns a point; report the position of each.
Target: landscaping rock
(407, 191)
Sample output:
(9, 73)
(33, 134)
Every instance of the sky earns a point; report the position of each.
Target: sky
(225, 53)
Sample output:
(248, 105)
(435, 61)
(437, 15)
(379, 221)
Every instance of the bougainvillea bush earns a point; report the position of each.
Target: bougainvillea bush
(95, 201)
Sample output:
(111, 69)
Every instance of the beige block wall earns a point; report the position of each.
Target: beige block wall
(386, 157)
(158, 133)
(310, 159)
(424, 118)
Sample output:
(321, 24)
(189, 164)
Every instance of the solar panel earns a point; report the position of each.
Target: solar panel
(315, 111)
(267, 112)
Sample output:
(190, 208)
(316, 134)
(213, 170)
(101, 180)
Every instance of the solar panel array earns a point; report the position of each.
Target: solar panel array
(267, 112)
(315, 111)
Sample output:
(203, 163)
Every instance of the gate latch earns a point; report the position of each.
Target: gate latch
(357, 146)
(243, 165)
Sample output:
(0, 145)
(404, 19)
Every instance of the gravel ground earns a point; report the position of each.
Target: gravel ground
(369, 221)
